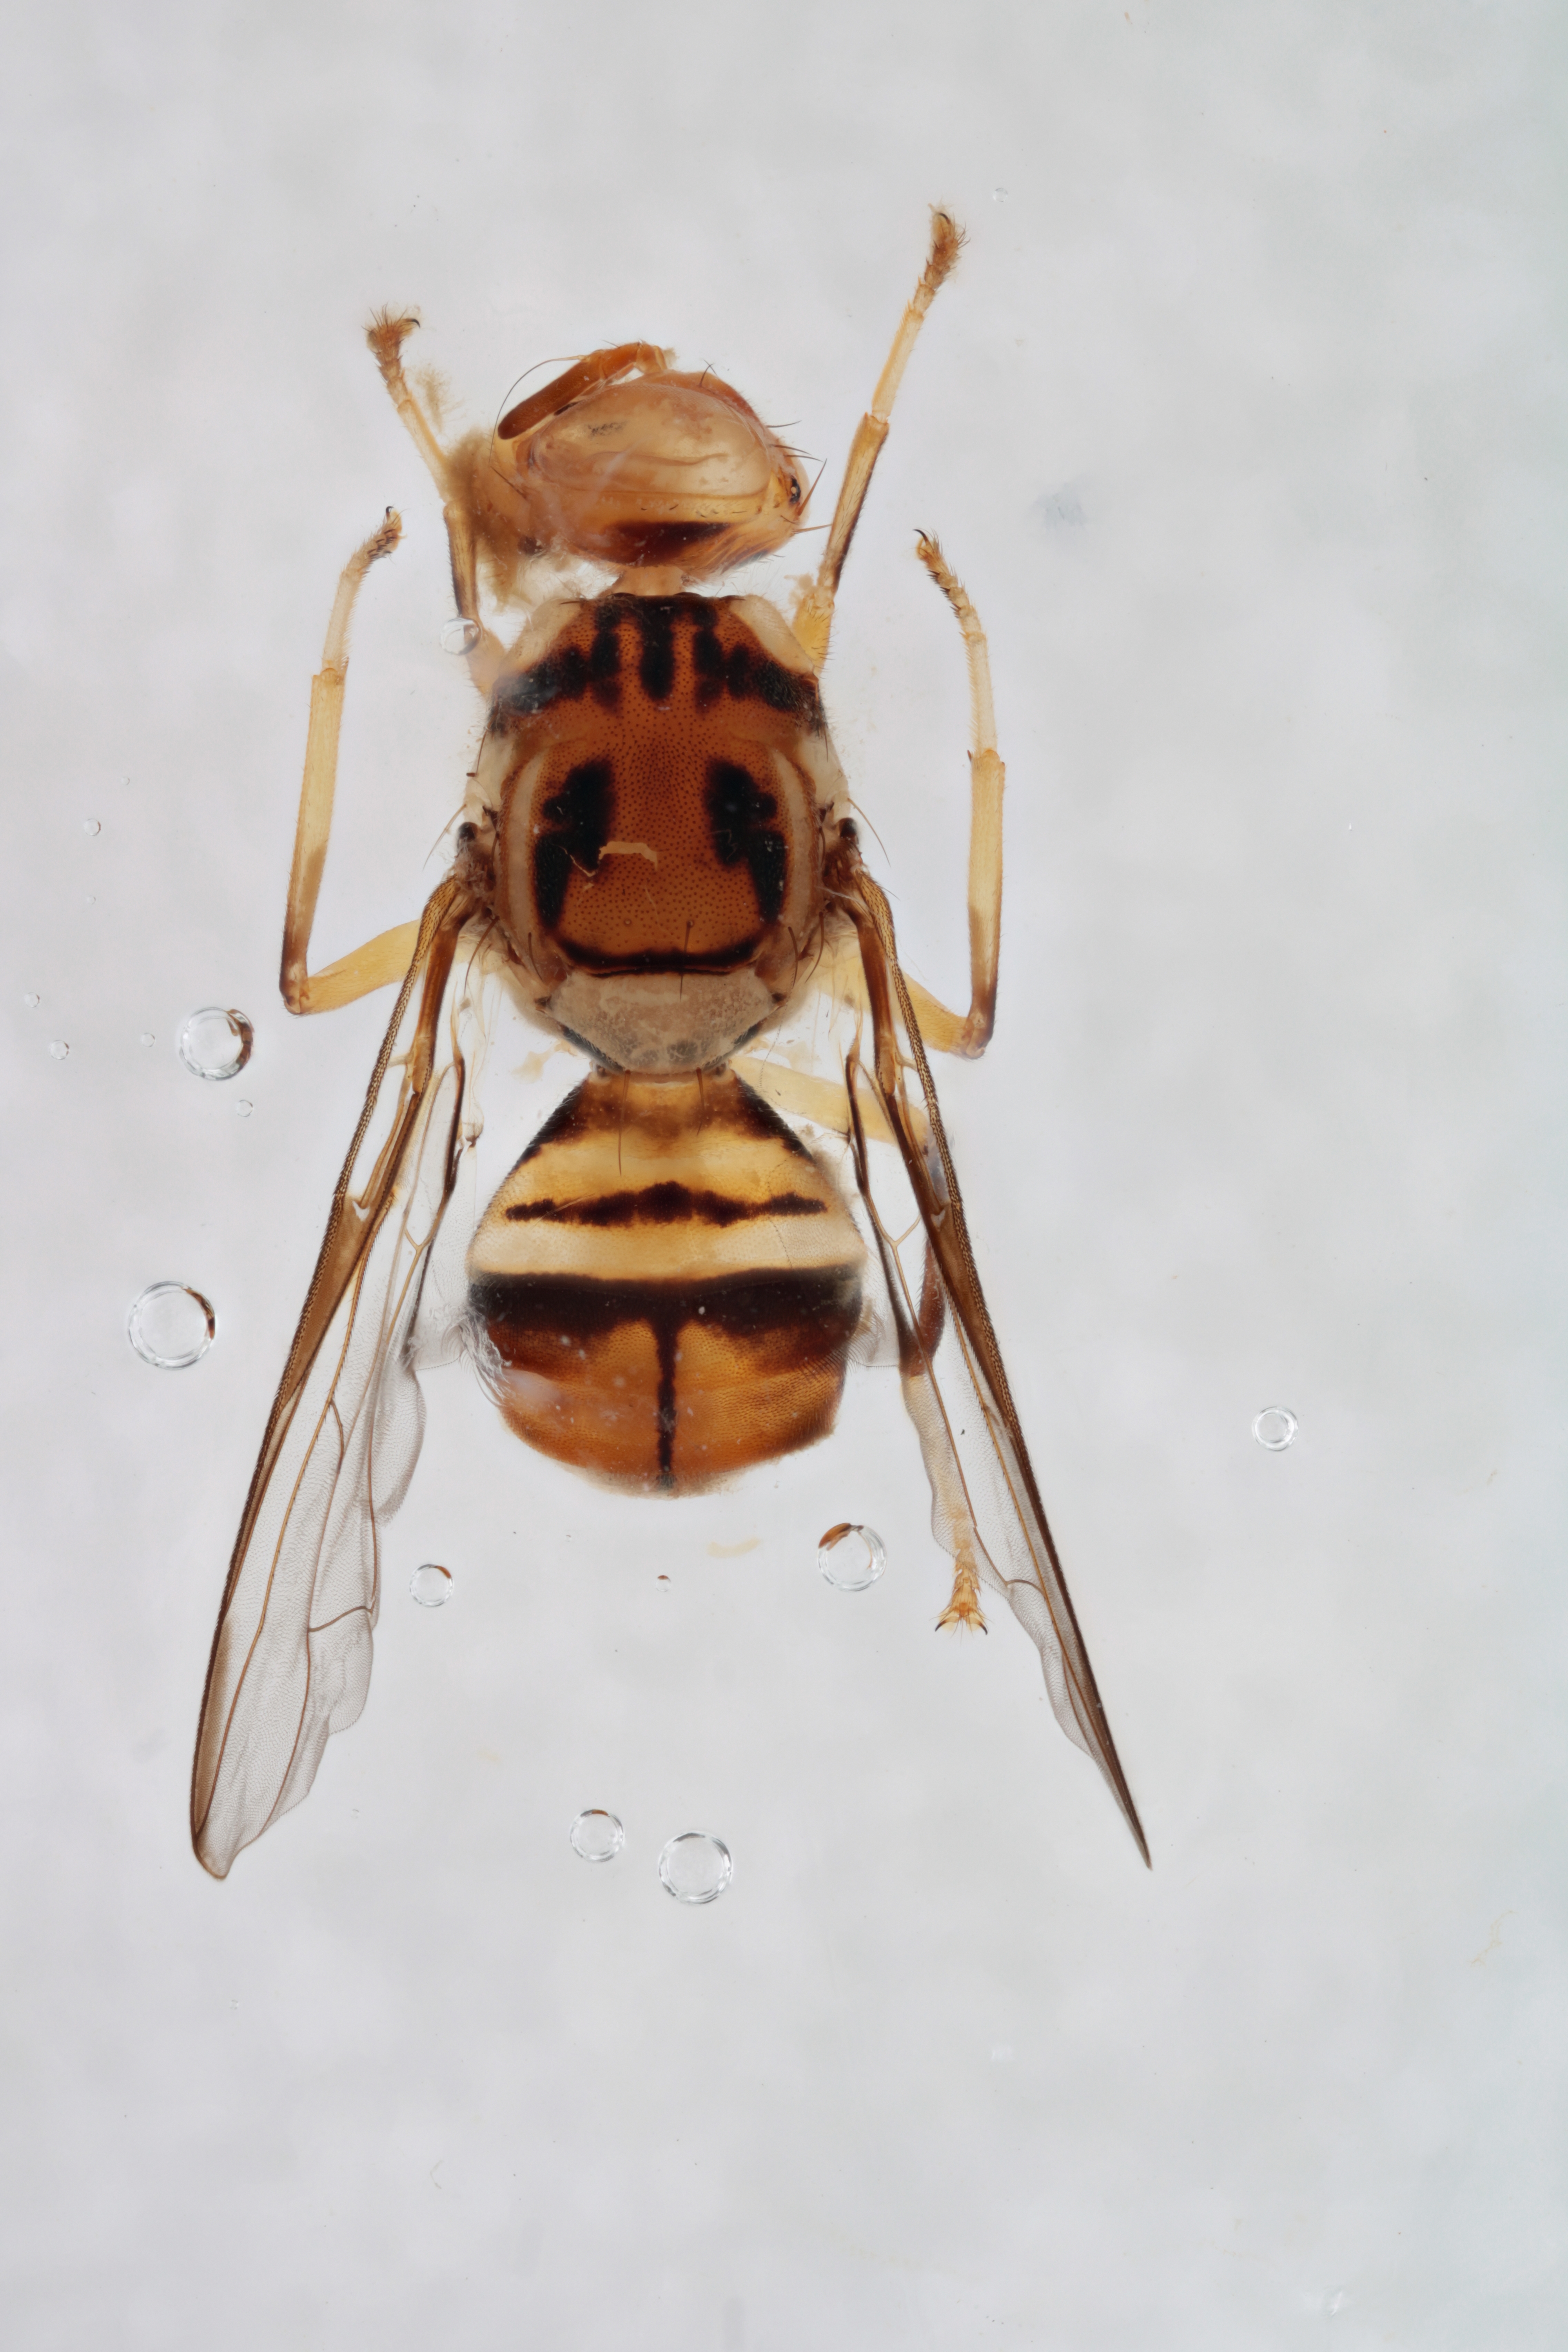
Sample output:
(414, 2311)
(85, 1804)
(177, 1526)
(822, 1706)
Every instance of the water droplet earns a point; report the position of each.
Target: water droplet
(851, 1557)
(32, 999)
(171, 1326)
(1274, 1428)
(459, 636)
(215, 1043)
(90, 825)
(695, 1868)
(146, 1038)
(596, 1835)
(431, 1585)
(59, 1049)
(243, 1110)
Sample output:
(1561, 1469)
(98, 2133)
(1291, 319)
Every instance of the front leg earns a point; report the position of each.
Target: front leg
(485, 653)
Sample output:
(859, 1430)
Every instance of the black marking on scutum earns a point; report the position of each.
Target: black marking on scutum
(565, 674)
(578, 817)
(560, 677)
(654, 618)
(656, 670)
(708, 665)
(603, 966)
(747, 674)
(739, 818)
(605, 660)
(665, 1204)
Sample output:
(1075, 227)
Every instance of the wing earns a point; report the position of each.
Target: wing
(291, 1658)
(986, 1507)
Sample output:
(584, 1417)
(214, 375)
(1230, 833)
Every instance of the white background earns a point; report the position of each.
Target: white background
(1240, 421)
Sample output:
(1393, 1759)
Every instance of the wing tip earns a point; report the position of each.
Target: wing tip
(1127, 1810)
(210, 1862)
(1110, 1765)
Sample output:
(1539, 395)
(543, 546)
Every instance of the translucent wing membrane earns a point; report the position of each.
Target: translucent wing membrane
(291, 1655)
(986, 1511)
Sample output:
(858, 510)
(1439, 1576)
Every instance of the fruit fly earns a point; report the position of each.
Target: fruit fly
(657, 864)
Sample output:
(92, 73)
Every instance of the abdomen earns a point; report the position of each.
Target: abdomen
(669, 1283)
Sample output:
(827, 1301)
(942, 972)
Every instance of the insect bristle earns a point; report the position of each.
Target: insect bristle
(437, 391)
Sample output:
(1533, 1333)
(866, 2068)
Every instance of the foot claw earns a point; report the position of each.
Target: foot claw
(963, 1608)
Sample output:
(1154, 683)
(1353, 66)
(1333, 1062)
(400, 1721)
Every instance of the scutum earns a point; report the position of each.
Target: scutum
(578, 816)
(742, 671)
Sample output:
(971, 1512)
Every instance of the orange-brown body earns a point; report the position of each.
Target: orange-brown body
(655, 850)
(668, 1282)
(655, 781)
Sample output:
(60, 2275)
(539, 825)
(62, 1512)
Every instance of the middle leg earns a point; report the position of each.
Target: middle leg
(386, 336)
(954, 1032)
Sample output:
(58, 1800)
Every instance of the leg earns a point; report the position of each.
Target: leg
(386, 336)
(951, 1032)
(813, 614)
(602, 367)
(919, 1330)
(388, 957)
(801, 1095)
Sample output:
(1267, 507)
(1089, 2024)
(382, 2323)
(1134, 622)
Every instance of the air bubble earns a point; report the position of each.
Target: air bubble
(999, 196)
(431, 1585)
(32, 999)
(90, 825)
(1274, 1428)
(596, 1835)
(171, 1326)
(695, 1868)
(215, 1044)
(243, 1110)
(851, 1557)
(59, 1049)
(90, 900)
(459, 636)
(146, 1038)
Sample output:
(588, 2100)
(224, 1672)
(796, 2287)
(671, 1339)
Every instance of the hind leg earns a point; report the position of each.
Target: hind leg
(954, 1032)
